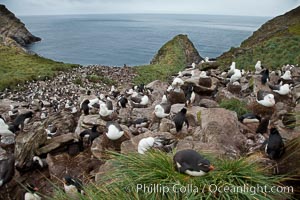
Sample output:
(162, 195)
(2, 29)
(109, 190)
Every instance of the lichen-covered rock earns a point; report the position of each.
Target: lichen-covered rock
(27, 143)
(224, 134)
(159, 89)
(208, 103)
(56, 142)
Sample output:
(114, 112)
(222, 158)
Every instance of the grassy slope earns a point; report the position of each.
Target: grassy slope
(156, 168)
(273, 53)
(275, 43)
(17, 66)
(169, 60)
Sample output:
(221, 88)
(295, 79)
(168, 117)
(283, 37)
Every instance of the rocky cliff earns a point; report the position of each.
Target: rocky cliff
(180, 46)
(12, 27)
(275, 43)
(172, 57)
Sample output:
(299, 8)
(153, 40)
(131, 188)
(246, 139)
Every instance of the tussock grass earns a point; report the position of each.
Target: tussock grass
(130, 173)
(240, 107)
(16, 67)
(101, 79)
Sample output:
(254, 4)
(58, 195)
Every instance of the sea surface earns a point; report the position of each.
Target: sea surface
(133, 39)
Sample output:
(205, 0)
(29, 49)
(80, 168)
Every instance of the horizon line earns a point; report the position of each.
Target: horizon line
(121, 13)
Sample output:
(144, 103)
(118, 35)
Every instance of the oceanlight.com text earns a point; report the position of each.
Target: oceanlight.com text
(177, 188)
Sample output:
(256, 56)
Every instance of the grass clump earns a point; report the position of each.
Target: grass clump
(78, 81)
(149, 73)
(295, 29)
(240, 107)
(16, 67)
(135, 176)
(101, 79)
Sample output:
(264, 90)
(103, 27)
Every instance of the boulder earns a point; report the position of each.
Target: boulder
(159, 88)
(56, 142)
(202, 90)
(191, 115)
(206, 82)
(143, 112)
(97, 149)
(124, 115)
(257, 85)
(220, 127)
(28, 142)
(208, 103)
(64, 121)
(166, 125)
(199, 146)
(224, 94)
(175, 108)
(102, 144)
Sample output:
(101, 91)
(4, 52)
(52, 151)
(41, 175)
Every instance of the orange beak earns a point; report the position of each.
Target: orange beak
(36, 189)
(211, 167)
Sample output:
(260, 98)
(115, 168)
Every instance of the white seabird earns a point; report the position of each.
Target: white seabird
(265, 98)
(281, 89)
(236, 76)
(258, 67)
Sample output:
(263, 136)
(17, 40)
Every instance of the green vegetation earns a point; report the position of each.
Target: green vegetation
(17, 66)
(275, 43)
(78, 81)
(155, 169)
(170, 59)
(235, 105)
(149, 73)
(295, 29)
(102, 79)
(272, 53)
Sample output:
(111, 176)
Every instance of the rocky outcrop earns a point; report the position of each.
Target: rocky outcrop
(12, 27)
(229, 141)
(179, 45)
(28, 142)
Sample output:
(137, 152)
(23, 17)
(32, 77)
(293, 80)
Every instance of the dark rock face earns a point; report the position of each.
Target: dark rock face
(12, 27)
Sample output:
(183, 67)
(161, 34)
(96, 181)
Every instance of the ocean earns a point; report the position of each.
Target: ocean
(133, 39)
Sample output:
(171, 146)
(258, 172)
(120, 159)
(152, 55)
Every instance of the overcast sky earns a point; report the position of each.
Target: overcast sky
(226, 7)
